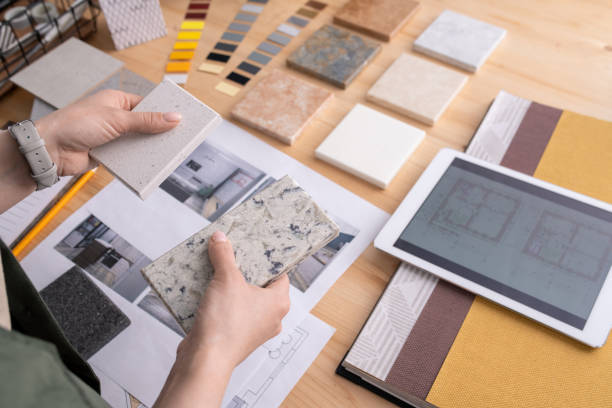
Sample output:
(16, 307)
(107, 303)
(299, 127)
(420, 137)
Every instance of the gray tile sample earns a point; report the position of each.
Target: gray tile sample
(243, 28)
(225, 47)
(67, 73)
(298, 21)
(269, 48)
(334, 55)
(459, 40)
(133, 83)
(114, 82)
(143, 162)
(252, 8)
(88, 318)
(249, 18)
(271, 233)
(287, 29)
(259, 58)
(40, 109)
(250, 68)
(259, 1)
(279, 39)
(232, 37)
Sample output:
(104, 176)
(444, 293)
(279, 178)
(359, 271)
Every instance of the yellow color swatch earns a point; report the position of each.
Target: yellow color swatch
(189, 35)
(501, 359)
(227, 89)
(192, 25)
(211, 68)
(185, 45)
(173, 66)
(181, 55)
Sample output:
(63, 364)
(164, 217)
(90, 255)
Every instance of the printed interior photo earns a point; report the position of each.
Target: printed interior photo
(210, 181)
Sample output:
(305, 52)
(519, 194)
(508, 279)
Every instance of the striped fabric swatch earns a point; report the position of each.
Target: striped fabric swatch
(268, 49)
(179, 61)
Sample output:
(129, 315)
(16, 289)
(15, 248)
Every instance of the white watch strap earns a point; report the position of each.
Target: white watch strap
(44, 171)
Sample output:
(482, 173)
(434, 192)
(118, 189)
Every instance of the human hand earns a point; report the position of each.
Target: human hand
(70, 132)
(233, 319)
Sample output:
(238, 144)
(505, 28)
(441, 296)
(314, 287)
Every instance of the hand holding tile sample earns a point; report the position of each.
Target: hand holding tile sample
(417, 88)
(370, 145)
(143, 162)
(334, 55)
(281, 105)
(459, 40)
(381, 19)
(271, 233)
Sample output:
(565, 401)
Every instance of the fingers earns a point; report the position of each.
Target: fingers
(222, 257)
(147, 122)
(279, 290)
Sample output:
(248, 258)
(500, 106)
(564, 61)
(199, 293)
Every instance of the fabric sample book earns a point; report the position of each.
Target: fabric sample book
(271, 233)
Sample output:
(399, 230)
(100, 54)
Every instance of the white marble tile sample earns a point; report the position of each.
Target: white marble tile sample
(67, 73)
(143, 162)
(459, 40)
(370, 145)
(417, 88)
(271, 232)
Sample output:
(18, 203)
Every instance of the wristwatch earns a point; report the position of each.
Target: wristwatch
(44, 171)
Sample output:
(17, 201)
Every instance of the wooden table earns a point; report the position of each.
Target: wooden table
(556, 52)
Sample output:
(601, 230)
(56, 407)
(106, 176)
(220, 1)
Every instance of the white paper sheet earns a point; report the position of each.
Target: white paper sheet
(112, 392)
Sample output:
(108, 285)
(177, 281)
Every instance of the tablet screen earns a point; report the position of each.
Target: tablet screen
(545, 250)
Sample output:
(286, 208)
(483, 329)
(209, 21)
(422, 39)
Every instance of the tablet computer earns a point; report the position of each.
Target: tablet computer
(536, 248)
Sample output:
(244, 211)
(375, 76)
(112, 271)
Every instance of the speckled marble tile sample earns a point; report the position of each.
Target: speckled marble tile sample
(459, 40)
(417, 88)
(271, 233)
(142, 162)
(381, 19)
(281, 105)
(334, 55)
(88, 318)
(370, 145)
(67, 73)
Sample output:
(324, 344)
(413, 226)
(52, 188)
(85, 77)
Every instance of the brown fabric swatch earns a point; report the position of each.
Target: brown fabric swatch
(427, 346)
(531, 138)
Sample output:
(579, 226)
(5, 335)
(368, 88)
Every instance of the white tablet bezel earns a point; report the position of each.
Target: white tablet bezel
(599, 322)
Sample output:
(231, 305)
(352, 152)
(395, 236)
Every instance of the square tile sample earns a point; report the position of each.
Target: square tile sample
(88, 318)
(381, 19)
(334, 55)
(142, 162)
(271, 233)
(459, 40)
(133, 22)
(370, 145)
(65, 74)
(281, 105)
(417, 88)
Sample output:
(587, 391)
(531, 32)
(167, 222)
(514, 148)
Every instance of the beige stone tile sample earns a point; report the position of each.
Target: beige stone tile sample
(417, 88)
(381, 19)
(370, 145)
(67, 73)
(281, 105)
(143, 162)
(271, 233)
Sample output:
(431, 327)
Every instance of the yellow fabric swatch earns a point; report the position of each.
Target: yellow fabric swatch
(227, 89)
(181, 55)
(185, 45)
(173, 66)
(192, 25)
(189, 35)
(211, 68)
(502, 359)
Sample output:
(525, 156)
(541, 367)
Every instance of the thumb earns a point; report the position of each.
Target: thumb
(222, 257)
(148, 122)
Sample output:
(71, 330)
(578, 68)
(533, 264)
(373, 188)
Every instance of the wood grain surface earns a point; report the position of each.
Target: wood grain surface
(556, 52)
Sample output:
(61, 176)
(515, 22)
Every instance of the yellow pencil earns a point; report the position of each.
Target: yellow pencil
(52, 212)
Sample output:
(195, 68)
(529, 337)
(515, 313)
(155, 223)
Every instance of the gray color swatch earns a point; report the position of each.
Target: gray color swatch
(259, 58)
(235, 37)
(249, 18)
(252, 8)
(298, 21)
(271, 233)
(142, 162)
(279, 39)
(243, 28)
(67, 73)
(287, 29)
(269, 48)
(88, 318)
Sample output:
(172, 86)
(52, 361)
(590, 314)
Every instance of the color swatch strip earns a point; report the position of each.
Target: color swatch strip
(267, 49)
(232, 37)
(186, 42)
